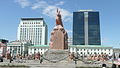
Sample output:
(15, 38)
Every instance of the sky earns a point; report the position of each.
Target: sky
(11, 11)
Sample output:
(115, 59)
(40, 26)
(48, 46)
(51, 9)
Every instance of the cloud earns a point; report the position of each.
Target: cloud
(69, 31)
(60, 3)
(51, 12)
(48, 9)
(23, 3)
(67, 16)
(40, 4)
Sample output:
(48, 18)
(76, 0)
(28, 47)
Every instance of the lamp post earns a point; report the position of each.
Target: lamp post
(21, 48)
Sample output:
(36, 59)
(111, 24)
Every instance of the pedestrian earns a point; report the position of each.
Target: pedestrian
(118, 66)
(11, 59)
(75, 61)
(118, 60)
(75, 58)
(113, 65)
(41, 58)
(104, 65)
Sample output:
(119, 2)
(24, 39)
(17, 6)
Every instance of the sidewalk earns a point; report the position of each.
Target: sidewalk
(45, 64)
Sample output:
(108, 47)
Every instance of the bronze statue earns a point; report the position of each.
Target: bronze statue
(58, 19)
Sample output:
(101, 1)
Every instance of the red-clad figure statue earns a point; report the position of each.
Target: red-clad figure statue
(58, 19)
(59, 36)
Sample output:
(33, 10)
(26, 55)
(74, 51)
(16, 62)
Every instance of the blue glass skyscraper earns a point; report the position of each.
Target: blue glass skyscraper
(86, 28)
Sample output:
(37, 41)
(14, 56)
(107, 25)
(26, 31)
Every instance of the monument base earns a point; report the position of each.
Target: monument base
(54, 55)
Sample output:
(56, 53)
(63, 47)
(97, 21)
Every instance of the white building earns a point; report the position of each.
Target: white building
(87, 50)
(33, 29)
(37, 48)
(3, 47)
(82, 50)
(18, 47)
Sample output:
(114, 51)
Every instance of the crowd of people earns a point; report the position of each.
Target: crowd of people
(20, 57)
(102, 57)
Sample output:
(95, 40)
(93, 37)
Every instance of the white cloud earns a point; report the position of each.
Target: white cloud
(23, 3)
(40, 4)
(60, 3)
(50, 11)
(67, 16)
(47, 9)
(69, 31)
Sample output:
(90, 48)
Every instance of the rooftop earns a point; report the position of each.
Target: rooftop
(86, 10)
(31, 18)
(89, 10)
(89, 46)
(39, 46)
(82, 46)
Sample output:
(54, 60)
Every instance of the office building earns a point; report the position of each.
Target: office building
(34, 30)
(86, 28)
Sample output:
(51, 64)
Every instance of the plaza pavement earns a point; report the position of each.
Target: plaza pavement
(46, 64)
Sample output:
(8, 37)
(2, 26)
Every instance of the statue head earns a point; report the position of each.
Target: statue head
(58, 18)
(58, 13)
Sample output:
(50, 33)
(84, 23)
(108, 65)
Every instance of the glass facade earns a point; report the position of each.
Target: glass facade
(86, 28)
(93, 28)
(78, 28)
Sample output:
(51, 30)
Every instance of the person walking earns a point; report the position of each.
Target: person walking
(41, 58)
(104, 65)
(118, 60)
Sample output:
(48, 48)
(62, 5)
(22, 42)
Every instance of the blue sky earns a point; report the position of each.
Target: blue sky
(12, 10)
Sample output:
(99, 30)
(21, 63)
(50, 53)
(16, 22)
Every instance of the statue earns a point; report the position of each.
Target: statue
(58, 19)
(58, 35)
(58, 42)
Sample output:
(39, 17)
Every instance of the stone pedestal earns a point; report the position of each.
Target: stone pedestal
(59, 38)
(54, 55)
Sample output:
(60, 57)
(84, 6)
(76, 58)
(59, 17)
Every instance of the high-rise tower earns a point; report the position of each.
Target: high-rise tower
(86, 28)
(33, 29)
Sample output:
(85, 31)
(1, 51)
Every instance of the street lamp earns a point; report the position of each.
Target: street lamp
(21, 48)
